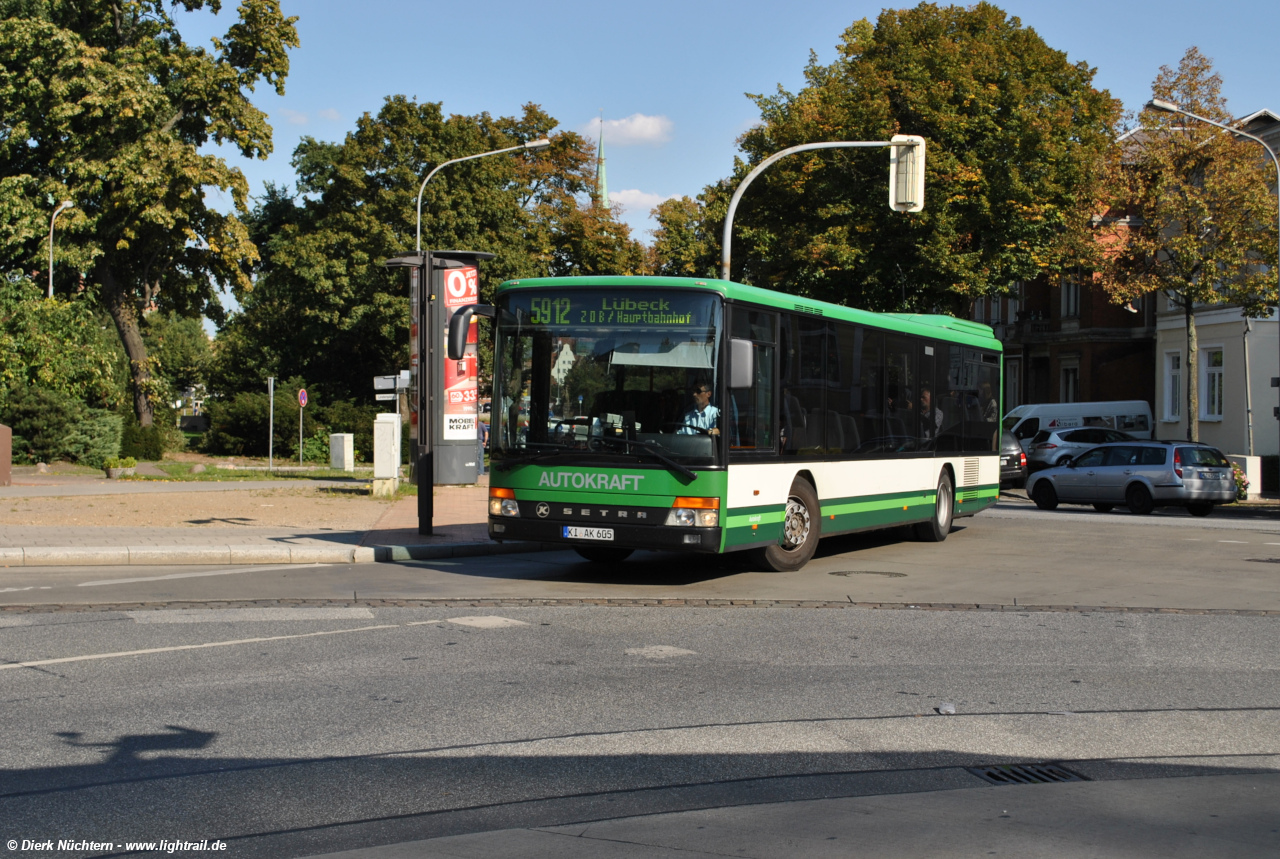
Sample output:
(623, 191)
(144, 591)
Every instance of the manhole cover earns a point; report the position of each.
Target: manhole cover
(1025, 774)
(867, 573)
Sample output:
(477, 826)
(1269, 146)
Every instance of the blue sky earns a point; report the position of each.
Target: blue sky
(670, 76)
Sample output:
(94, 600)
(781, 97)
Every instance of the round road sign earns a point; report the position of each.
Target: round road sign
(302, 397)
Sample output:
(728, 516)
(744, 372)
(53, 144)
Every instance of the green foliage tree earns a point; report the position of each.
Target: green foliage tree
(1016, 140)
(1201, 223)
(323, 307)
(180, 349)
(103, 103)
(57, 346)
(681, 245)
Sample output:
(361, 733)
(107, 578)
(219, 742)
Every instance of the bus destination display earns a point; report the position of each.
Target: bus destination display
(630, 309)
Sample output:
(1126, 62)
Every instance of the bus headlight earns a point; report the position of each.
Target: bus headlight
(694, 512)
(502, 502)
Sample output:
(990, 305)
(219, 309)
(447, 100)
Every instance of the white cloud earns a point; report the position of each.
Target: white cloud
(635, 130)
(640, 202)
(329, 113)
(293, 117)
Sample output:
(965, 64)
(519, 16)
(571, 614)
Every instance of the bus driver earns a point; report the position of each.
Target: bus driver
(703, 416)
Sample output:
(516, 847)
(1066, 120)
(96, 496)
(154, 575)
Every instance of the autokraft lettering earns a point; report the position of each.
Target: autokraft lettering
(590, 480)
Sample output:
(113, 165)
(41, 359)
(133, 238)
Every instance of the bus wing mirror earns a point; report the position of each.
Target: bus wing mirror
(742, 370)
(460, 322)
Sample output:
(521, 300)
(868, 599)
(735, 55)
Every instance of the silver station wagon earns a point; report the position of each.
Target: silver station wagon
(1140, 475)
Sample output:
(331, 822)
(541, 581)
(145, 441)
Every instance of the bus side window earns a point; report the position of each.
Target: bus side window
(750, 413)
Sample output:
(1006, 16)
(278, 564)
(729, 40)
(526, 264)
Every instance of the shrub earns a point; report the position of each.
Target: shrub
(120, 462)
(95, 437)
(40, 420)
(146, 443)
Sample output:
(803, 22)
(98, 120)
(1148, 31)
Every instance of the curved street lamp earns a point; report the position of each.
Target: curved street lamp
(528, 146)
(66, 204)
(1159, 104)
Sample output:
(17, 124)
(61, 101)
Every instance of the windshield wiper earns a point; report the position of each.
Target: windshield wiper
(656, 454)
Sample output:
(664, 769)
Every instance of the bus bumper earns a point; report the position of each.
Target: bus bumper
(660, 538)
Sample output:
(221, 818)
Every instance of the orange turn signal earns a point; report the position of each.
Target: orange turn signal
(497, 492)
(697, 503)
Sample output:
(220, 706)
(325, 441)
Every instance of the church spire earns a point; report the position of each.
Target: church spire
(602, 185)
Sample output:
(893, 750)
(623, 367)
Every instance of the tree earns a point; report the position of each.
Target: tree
(325, 310)
(104, 104)
(1016, 140)
(1189, 211)
(54, 346)
(681, 246)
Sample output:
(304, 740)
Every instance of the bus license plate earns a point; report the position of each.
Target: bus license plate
(573, 532)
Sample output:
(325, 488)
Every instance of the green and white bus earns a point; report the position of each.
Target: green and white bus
(821, 419)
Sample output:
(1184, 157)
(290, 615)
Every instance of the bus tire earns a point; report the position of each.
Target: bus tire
(801, 530)
(603, 554)
(939, 525)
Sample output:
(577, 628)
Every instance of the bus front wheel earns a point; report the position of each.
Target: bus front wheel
(939, 525)
(801, 529)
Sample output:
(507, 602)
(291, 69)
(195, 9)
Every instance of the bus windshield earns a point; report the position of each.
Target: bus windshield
(605, 374)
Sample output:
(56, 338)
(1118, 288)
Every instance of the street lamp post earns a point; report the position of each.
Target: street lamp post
(426, 312)
(1160, 104)
(912, 187)
(66, 204)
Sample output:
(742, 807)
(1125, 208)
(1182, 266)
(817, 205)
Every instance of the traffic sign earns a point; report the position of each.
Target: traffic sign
(384, 396)
(302, 397)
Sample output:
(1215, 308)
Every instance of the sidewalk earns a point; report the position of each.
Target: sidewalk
(459, 528)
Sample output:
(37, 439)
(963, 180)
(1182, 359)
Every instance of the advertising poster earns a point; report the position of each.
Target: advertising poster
(461, 287)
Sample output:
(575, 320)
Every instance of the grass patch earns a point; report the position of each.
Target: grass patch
(182, 471)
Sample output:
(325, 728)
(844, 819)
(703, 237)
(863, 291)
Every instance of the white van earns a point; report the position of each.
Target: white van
(1131, 416)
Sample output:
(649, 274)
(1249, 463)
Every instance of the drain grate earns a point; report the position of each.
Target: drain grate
(1025, 774)
(1264, 560)
(867, 573)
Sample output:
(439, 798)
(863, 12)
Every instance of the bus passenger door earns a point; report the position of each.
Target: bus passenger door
(751, 417)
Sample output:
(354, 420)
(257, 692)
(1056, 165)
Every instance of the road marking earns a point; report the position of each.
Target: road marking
(486, 622)
(91, 656)
(1234, 541)
(1272, 544)
(233, 572)
(27, 588)
(240, 615)
(658, 651)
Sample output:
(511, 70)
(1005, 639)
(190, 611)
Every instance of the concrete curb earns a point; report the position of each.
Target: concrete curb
(107, 556)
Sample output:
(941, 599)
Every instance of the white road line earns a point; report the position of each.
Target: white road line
(1234, 541)
(232, 572)
(92, 656)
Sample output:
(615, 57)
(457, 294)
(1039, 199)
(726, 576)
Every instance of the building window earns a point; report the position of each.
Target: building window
(1013, 302)
(980, 310)
(1172, 386)
(1070, 385)
(1211, 387)
(1071, 297)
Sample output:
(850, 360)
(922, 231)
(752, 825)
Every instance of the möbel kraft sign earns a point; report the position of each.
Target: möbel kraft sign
(461, 287)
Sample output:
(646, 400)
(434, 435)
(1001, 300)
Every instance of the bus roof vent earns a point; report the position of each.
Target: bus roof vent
(809, 308)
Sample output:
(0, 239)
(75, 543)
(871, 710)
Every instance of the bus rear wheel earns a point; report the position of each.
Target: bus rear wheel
(603, 554)
(939, 525)
(801, 529)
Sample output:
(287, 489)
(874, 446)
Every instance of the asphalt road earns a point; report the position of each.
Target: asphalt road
(297, 731)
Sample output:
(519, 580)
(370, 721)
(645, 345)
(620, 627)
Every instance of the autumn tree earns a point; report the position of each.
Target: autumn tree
(1016, 136)
(103, 103)
(1190, 212)
(325, 310)
(681, 244)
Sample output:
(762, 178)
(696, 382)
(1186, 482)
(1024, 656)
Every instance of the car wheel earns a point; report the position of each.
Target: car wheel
(1104, 508)
(939, 526)
(603, 554)
(1203, 508)
(801, 529)
(1062, 461)
(1044, 495)
(1138, 500)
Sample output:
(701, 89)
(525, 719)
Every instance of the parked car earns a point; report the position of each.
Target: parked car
(1056, 447)
(1013, 462)
(1141, 475)
(1131, 416)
